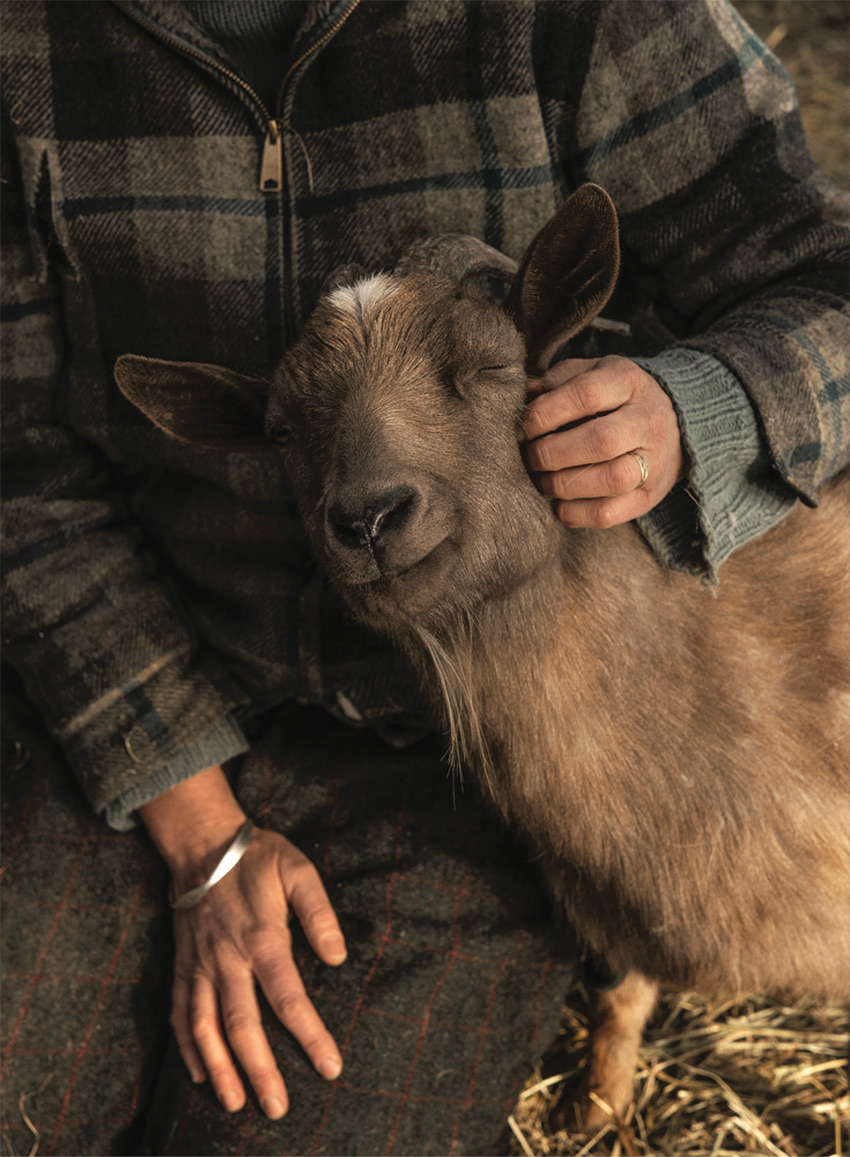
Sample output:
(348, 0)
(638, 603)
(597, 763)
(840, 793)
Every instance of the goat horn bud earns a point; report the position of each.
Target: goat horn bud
(456, 256)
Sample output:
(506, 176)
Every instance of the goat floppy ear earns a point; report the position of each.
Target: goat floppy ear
(204, 405)
(567, 274)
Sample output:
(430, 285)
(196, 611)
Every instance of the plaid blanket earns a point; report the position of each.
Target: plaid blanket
(454, 982)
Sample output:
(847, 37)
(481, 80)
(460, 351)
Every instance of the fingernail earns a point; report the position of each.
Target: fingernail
(230, 1099)
(272, 1107)
(197, 1076)
(333, 947)
(330, 1068)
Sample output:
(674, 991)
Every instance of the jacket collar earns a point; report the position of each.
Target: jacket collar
(175, 21)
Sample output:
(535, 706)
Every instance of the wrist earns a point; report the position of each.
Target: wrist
(192, 824)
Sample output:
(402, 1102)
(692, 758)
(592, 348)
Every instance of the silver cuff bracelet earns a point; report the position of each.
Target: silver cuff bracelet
(229, 860)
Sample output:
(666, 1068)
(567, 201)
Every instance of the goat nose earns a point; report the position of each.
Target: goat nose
(358, 524)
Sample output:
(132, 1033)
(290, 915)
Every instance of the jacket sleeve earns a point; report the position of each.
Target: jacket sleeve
(103, 650)
(736, 245)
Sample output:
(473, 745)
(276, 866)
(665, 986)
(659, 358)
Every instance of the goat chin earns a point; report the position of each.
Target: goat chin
(400, 595)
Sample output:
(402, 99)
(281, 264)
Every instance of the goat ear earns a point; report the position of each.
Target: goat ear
(567, 274)
(204, 405)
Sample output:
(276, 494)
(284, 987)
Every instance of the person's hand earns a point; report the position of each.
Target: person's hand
(621, 452)
(237, 937)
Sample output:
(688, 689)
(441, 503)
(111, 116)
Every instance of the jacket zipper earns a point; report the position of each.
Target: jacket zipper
(271, 165)
(271, 181)
(271, 169)
(272, 160)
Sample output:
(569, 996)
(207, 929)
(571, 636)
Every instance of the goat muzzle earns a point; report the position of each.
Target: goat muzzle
(378, 535)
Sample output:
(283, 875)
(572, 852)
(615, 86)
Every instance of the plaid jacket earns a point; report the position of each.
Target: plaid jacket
(155, 592)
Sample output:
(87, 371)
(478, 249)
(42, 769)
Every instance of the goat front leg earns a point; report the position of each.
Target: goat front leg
(618, 1017)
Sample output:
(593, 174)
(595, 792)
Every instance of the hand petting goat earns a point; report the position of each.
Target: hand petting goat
(602, 437)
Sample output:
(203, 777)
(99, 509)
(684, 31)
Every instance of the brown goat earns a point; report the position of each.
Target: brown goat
(675, 753)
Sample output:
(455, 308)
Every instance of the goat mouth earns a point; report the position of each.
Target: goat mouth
(388, 581)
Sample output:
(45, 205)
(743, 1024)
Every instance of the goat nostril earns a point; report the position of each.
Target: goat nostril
(363, 524)
(394, 518)
(349, 534)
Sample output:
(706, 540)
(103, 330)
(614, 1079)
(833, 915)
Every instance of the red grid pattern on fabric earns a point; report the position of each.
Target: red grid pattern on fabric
(95, 1015)
(53, 930)
(428, 1009)
(362, 995)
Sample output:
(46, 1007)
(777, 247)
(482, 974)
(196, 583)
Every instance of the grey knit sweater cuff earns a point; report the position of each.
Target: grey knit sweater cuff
(732, 493)
(222, 742)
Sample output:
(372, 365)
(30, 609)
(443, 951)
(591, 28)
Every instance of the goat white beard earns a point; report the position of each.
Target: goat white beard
(453, 669)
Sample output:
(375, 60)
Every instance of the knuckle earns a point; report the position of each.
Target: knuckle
(320, 918)
(559, 485)
(222, 1081)
(588, 392)
(203, 1031)
(551, 485)
(625, 369)
(316, 1043)
(657, 426)
(200, 1022)
(302, 872)
(237, 1021)
(266, 943)
(541, 455)
(289, 1005)
(644, 499)
(620, 476)
(262, 1073)
(605, 441)
(565, 512)
(614, 361)
(532, 424)
(557, 374)
(566, 484)
(604, 515)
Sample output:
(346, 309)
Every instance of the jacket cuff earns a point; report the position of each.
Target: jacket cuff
(222, 742)
(733, 493)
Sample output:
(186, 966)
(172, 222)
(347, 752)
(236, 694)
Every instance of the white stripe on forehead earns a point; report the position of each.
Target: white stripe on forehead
(364, 297)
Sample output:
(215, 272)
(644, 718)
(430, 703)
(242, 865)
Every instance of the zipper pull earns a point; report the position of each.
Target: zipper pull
(271, 170)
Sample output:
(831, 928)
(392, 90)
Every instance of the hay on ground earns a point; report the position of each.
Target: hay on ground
(750, 1075)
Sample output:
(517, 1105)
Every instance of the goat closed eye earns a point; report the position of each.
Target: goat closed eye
(501, 370)
(281, 434)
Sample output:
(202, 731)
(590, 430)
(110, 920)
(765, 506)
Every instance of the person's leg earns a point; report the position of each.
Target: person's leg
(86, 957)
(453, 982)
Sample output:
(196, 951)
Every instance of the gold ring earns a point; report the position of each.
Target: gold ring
(644, 469)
